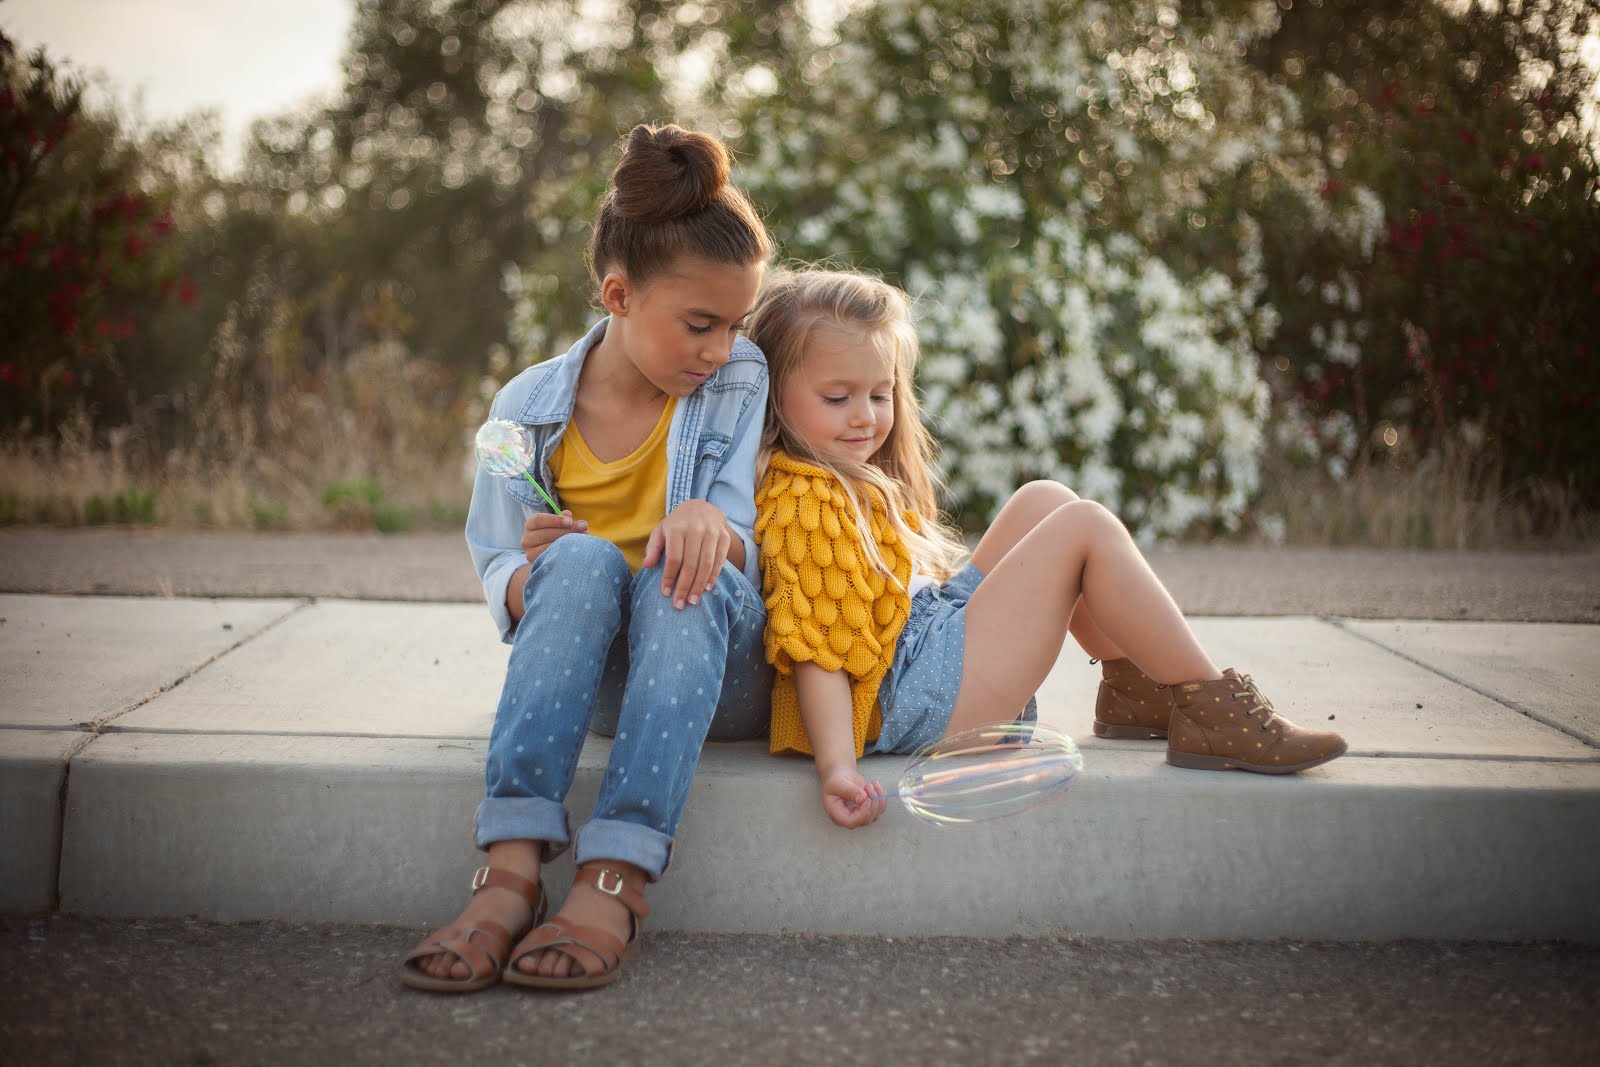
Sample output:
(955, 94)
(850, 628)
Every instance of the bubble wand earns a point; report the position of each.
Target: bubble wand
(988, 772)
(506, 448)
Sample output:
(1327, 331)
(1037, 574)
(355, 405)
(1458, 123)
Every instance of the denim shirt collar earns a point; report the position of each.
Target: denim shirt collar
(552, 399)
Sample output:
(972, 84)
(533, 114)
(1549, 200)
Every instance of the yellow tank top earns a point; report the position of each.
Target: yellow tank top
(622, 501)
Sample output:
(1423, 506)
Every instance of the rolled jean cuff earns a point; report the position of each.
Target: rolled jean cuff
(524, 819)
(610, 839)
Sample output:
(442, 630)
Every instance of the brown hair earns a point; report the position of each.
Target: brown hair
(669, 196)
(792, 306)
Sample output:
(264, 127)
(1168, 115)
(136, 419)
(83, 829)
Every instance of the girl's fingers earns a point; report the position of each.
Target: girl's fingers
(724, 543)
(673, 561)
(686, 589)
(705, 570)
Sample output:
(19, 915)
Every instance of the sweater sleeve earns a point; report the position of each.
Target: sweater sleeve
(819, 588)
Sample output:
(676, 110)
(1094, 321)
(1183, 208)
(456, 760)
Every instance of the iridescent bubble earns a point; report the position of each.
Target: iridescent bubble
(504, 448)
(988, 772)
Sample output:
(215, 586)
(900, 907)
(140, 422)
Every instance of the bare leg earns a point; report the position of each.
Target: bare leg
(1027, 508)
(498, 905)
(1020, 614)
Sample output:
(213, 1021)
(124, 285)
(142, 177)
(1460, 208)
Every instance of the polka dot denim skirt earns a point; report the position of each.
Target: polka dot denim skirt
(918, 694)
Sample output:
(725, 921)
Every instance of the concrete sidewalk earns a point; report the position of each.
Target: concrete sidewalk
(320, 759)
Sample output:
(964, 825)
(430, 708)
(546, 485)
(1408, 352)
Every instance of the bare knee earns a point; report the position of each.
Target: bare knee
(1086, 518)
(1043, 496)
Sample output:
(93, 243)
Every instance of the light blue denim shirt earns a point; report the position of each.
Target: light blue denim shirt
(711, 455)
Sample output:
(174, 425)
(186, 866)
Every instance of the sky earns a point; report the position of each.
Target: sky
(241, 58)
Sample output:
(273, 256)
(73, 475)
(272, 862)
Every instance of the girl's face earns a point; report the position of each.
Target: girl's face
(840, 399)
(680, 327)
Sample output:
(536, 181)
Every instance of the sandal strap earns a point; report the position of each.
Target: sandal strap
(481, 960)
(610, 880)
(499, 878)
(573, 941)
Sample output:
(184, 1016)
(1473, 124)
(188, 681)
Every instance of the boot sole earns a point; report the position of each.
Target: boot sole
(1196, 762)
(1128, 733)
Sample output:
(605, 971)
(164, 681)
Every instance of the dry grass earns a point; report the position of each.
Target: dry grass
(1453, 498)
(353, 450)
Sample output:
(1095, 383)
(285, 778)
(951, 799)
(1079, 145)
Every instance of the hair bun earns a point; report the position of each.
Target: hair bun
(667, 172)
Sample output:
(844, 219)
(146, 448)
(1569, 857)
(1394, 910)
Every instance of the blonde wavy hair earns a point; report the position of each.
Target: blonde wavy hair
(792, 305)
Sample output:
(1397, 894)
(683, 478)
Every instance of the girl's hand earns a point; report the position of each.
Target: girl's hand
(690, 544)
(851, 801)
(542, 529)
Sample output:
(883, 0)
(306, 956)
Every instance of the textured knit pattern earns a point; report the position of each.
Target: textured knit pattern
(826, 604)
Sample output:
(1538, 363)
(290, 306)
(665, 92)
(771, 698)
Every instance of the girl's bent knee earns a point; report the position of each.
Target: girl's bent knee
(579, 549)
(1044, 493)
(1088, 516)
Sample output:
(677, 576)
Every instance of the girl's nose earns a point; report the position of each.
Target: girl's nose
(861, 414)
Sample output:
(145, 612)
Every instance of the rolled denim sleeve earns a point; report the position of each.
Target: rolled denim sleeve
(494, 537)
(734, 490)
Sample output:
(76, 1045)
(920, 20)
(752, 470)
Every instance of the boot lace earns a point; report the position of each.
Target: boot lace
(1257, 701)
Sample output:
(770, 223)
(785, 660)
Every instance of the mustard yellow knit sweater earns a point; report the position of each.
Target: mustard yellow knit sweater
(826, 604)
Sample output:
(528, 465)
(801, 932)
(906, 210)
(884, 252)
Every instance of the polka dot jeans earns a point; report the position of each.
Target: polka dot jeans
(601, 647)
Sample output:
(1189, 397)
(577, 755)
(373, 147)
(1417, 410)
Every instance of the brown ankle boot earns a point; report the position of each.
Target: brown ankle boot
(1130, 705)
(1228, 725)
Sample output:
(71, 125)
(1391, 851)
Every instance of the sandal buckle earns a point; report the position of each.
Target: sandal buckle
(480, 878)
(600, 882)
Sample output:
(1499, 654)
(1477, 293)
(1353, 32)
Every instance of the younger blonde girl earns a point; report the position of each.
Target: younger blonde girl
(885, 636)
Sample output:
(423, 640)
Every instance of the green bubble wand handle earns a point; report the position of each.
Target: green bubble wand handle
(554, 507)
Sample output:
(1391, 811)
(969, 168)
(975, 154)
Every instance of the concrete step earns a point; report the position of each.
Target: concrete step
(321, 760)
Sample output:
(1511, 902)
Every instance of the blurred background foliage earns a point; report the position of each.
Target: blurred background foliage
(1315, 270)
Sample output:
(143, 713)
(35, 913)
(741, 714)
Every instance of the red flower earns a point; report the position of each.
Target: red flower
(186, 289)
(1535, 163)
(135, 246)
(67, 379)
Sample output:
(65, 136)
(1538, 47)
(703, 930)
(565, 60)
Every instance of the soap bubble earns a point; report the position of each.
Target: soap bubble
(504, 448)
(988, 772)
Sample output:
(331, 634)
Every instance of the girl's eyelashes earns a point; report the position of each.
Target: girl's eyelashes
(834, 400)
(698, 331)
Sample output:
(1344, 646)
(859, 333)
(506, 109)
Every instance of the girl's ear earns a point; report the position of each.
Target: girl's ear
(616, 295)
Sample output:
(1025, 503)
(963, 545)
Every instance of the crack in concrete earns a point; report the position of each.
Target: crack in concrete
(1499, 698)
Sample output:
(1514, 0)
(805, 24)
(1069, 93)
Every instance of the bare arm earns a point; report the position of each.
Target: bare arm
(847, 798)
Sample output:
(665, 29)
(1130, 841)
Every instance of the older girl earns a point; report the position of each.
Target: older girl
(633, 609)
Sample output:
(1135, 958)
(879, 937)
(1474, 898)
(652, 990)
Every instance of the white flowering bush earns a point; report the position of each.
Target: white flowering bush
(1017, 169)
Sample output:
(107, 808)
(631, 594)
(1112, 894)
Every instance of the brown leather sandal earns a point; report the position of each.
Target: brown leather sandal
(599, 953)
(482, 946)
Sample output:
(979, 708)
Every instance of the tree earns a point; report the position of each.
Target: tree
(85, 249)
(1468, 305)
